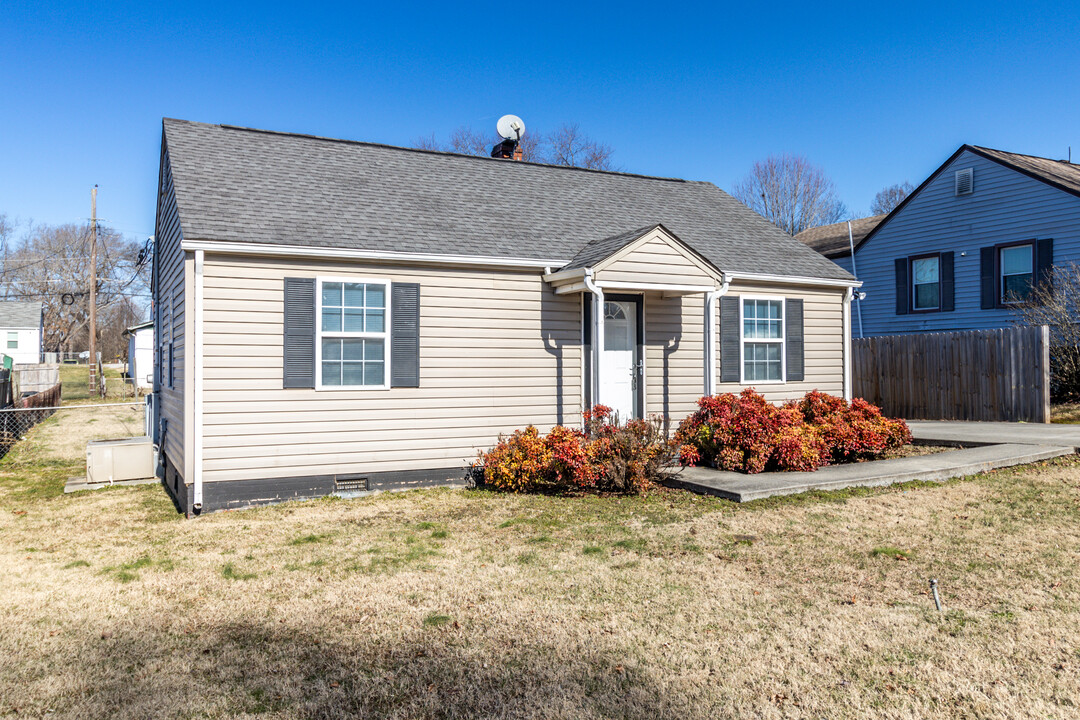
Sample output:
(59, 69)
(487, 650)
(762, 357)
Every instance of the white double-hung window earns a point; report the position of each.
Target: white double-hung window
(352, 342)
(762, 340)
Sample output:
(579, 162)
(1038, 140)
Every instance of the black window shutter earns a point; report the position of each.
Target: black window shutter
(988, 278)
(1044, 261)
(948, 292)
(586, 318)
(729, 338)
(405, 335)
(903, 290)
(299, 350)
(795, 345)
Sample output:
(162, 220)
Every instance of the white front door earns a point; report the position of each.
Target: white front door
(617, 367)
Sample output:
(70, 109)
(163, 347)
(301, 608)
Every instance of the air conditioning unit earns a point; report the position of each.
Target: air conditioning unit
(109, 461)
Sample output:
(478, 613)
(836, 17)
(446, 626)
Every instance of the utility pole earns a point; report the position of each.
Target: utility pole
(93, 289)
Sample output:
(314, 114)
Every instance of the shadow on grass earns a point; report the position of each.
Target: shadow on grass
(432, 671)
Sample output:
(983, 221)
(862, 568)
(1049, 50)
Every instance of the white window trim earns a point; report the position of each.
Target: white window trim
(7, 345)
(1002, 274)
(743, 340)
(384, 336)
(915, 286)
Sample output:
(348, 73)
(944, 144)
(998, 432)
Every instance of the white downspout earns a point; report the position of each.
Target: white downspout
(855, 273)
(597, 333)
(710, 335)
(847, 342)
(197, 382)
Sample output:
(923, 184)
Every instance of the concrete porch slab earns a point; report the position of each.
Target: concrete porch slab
(936, 467)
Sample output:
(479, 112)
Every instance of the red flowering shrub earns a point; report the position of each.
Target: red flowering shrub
(748, 434)
(604, 457)
(852, 432)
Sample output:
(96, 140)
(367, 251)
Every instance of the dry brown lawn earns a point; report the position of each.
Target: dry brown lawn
(463, 604)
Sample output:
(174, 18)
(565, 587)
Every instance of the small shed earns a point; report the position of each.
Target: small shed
(141, 354)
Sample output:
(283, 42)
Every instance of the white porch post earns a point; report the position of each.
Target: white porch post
(710, 336)
(598, 335)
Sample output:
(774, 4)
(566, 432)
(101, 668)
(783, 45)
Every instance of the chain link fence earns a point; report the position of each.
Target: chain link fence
(71, 427)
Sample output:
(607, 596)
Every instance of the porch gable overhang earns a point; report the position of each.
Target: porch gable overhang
(651, 259)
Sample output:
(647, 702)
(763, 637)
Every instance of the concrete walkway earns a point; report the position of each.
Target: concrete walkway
(993, 433)
(986, 446)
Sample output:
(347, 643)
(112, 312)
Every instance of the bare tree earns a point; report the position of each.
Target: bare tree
(1057, 305)
(566, 146)
(51, 265)
(429, 142)
(570, 147)
(886, 200)
(467, 141)
(791, 193)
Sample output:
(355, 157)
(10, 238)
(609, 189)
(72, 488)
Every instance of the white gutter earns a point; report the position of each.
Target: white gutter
(710, 335)
(598, 333)
(792, 280)
(197, 383)
(270, 249)
(847, 343)
(655, 287)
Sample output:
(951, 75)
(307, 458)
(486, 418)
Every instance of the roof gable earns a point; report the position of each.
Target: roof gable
(25, 315)
(248, 186)
(1058, 174)
(658, 236)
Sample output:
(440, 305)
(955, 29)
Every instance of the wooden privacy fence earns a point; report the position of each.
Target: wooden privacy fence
(976, 375)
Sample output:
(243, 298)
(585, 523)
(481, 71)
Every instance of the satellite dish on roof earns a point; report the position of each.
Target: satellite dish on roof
(511, 127)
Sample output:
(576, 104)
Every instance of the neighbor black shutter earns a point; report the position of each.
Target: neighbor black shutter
(795, 344)
(729, 338)
(988, 278)
(902, 287)
(405, 335)
(299, 370)
(1044, 262)
(948, 291)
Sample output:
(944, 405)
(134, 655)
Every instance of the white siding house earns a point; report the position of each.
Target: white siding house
(141, 354)
(20, 331)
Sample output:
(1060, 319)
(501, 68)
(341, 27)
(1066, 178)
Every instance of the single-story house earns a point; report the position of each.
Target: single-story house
(21, 325)
(140, 357)
(338, 316)
(968, 244)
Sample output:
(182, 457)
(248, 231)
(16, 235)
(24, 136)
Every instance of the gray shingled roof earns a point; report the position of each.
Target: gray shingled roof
(1060, 173)
(244, 185)
(20, 314)
(832, 240)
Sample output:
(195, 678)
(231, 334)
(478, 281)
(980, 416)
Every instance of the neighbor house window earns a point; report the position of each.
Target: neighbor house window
(763, 340)
(926, 283)
(13, 340)
(1016, 263)
(352, 333)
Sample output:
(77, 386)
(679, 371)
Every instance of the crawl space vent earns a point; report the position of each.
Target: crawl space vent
(965, 181)
(351, 483)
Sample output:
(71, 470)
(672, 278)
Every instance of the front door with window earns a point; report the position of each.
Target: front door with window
(619, 369)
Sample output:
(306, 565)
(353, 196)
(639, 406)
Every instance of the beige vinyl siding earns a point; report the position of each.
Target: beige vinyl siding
(170, 294)
(675, 332)
(655, 261)
(498, 351)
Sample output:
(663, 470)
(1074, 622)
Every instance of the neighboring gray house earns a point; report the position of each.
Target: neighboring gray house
(835, 241)
(335, 316)
(21, 326)
(968, 243)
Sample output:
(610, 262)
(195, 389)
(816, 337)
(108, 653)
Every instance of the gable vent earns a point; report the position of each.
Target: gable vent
(965, 181)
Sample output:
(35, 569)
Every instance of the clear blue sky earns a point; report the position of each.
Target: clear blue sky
(875, 93)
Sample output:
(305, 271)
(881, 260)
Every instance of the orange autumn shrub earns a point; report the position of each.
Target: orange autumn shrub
(604, 457)
(746, 433)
